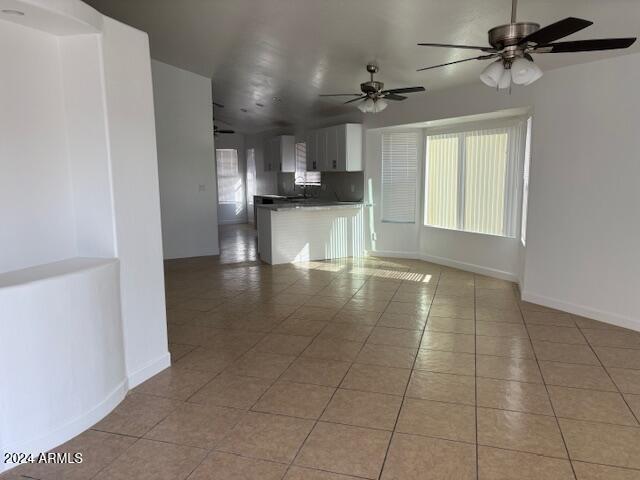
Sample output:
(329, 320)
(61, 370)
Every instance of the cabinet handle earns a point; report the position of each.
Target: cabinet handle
(335, 164)
(314, 165)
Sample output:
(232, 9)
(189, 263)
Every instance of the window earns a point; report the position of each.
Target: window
(302, 177)
(251, 175)
(471, 179)
(229, 181)
(399, 176)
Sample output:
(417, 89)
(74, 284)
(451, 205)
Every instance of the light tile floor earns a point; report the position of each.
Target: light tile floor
(372, 368)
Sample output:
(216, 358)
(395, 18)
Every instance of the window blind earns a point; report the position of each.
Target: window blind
(399, 176)
(472, 179)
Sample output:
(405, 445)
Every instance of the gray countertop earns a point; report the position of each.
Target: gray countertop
(312, 205)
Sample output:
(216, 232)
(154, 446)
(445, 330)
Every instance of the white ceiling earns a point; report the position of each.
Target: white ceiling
(256, 50)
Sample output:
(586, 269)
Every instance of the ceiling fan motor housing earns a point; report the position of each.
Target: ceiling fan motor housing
(507, 37)
(371, 87)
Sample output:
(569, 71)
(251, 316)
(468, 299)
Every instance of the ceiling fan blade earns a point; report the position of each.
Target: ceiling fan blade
(468, 47)
(393, 96)
(225, 131)
(556, 31)
(586, 45)
(340, 95)
(219, 105)
(404, 90)
(481, 57)
(356, 99)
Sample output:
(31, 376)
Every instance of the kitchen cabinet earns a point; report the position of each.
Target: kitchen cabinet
(335, 149)
(280, 154)
(313, 159)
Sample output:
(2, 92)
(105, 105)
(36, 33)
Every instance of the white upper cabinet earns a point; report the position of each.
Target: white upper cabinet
(313, 155)
(280, 154)
(335, 149)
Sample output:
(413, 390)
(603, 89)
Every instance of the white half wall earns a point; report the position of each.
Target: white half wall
(186, 162)
(62, 340)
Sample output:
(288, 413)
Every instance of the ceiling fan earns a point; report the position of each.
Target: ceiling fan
(216, 130)
(373, 98)
(512, 44)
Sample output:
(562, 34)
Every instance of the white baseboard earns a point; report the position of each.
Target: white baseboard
(149, 370)
(447, 262)
(582, 310)
(394, 254)
(70, 429)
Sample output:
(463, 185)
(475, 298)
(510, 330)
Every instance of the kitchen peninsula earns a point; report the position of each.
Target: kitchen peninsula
(316, 230)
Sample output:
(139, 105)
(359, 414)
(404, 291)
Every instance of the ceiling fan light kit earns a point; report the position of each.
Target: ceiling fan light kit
(374, 98)
(490, 76)
(514, 43)
(372, 106)
(524, 71)
(519, 72)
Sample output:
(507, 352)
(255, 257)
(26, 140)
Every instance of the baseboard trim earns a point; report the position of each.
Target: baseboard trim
(393, 254)
(70, 429)
(447, 262)
(149, 370)
(583, 311)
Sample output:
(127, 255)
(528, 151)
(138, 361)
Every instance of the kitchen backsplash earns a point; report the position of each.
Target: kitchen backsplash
(341, 186)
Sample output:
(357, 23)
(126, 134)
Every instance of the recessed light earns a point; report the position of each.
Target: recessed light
(277, 99)
(9, 11)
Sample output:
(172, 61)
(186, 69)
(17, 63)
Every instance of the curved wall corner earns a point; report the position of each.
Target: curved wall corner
(63, 352)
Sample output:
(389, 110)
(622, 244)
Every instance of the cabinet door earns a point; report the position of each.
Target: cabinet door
(312, 152)
(267, 156)
(277, 154)
(321, 149)
(353, 147)
(287, 148)
(341, 147)
(331, 163)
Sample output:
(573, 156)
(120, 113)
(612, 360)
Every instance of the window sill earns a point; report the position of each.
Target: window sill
(492, 235)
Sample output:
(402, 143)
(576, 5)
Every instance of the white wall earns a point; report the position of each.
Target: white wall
(36, 204)
(87, 144)
(230, 213)
(584, 221)
(134, 169)
(186, 162)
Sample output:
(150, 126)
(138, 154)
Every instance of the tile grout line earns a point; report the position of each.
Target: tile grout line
(475, 373)
(404, 396)
(335, 389)
(535, 355)
(610, 377)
